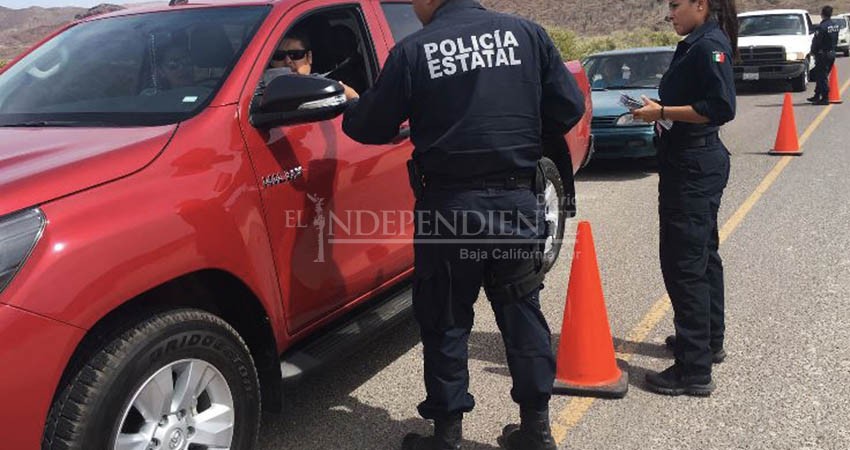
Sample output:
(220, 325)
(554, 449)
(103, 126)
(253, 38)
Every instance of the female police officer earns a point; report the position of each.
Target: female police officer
(698, 94)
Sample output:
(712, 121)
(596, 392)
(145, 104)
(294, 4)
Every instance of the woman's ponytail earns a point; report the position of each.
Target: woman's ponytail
(727, 15)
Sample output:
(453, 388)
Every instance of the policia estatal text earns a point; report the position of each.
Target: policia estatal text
(481, 90)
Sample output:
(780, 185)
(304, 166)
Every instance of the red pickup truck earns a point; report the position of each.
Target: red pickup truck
(181, 234)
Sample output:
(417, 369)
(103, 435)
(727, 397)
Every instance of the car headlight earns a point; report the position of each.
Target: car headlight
(18, 234)
(628, 120)
(795, 56)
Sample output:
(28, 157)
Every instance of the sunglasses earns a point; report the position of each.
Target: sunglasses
(294, 55)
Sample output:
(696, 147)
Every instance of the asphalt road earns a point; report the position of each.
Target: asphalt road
(786, 382)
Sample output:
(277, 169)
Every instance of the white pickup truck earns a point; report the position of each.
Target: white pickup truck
(774, 45)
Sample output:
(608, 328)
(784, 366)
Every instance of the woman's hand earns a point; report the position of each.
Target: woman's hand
(650, 112)
(350, 94)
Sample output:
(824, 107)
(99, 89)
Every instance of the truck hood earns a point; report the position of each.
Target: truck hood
(792, 43)
(40, 164)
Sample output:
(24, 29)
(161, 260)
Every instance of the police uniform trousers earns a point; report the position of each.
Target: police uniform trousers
(823, 66)
(691, 183)
(466, 239)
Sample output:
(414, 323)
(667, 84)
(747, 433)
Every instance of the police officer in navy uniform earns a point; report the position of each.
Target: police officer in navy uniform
(698, 94)
(481, 91)
(824, 44)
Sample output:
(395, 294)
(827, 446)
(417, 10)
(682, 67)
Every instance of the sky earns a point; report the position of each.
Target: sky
(19, 4)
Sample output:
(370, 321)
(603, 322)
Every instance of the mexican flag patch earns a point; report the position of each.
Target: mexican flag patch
(718, 57)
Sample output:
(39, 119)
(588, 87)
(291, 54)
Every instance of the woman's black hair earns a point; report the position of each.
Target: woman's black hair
(300, 35)
(725, 12)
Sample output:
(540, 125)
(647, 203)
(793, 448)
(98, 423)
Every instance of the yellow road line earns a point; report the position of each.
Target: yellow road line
(768, 180)
(748, 204)
(570, 416)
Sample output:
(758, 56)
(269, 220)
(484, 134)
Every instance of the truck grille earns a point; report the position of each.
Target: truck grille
(754, 56)
(603, 121)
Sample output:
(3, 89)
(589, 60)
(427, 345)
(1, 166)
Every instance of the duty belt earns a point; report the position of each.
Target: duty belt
(690, 141)
(503, 182)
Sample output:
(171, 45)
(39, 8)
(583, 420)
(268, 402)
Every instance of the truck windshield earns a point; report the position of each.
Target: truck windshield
(138, 70)
(772, 25)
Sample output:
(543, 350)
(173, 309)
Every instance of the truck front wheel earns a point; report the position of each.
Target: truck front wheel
(554, 200)
(178, 380)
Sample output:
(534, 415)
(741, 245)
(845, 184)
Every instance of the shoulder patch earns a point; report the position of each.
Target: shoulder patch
(718, 57)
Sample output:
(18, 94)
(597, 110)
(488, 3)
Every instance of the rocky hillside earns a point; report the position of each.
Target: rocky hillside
(600, 18)
(20, 28)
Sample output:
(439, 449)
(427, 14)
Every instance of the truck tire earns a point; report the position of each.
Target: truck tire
(801, 83)
(554, 200)
(180, 379)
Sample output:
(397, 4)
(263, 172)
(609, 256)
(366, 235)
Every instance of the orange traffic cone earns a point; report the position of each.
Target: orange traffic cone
(786, 136)
(586, 363)
(834, 91)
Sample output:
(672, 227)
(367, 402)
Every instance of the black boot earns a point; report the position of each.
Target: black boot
(448, 434)
(717, 355)
(533, 433)
(813, 99)
(674, 382)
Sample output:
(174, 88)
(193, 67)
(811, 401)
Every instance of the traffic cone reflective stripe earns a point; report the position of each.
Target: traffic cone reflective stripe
(786, 137)
(586, 364)
(834, 91)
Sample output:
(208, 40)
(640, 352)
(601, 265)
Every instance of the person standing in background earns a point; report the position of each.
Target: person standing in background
(824, 44)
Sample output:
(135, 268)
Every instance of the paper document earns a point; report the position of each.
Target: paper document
(632, 103)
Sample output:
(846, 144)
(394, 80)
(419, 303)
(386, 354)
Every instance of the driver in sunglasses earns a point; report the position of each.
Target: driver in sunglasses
(294, 53)
(173, 68)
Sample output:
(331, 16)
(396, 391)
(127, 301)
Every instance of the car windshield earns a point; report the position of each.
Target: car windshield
(138, 70)
(772, 25)
(628, 71)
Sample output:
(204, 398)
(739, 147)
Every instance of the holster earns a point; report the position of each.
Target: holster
(517, 284)
(539, 179)
(415, 178)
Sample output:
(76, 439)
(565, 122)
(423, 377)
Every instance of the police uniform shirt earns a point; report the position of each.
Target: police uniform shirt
(701, 76)
(826, 37)
(478, 87)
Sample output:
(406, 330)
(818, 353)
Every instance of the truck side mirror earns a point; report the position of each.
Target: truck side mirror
(295, 99)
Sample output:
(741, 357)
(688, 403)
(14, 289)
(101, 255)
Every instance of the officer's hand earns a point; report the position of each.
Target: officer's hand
(650, 112)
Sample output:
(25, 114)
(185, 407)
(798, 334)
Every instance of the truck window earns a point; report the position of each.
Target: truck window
(403, 21)
(340, 46)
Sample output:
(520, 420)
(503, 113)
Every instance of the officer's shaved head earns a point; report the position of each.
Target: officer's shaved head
(424, 9)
